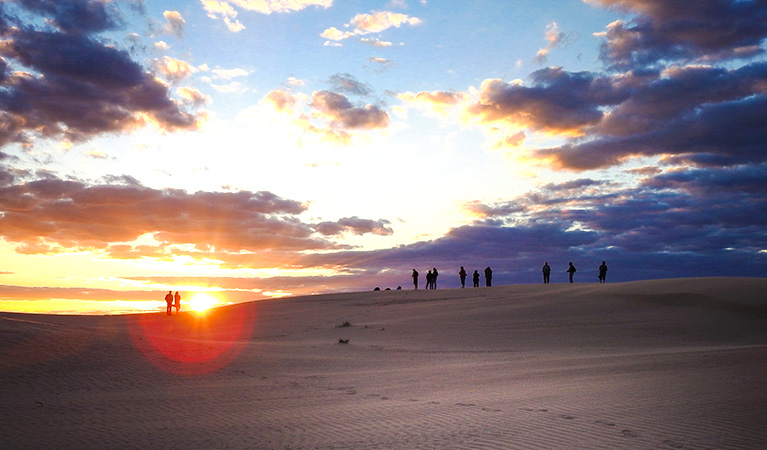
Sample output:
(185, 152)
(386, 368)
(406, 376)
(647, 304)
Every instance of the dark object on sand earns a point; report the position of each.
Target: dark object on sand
(343, 341)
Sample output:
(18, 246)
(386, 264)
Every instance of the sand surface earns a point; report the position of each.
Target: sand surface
(677, 364)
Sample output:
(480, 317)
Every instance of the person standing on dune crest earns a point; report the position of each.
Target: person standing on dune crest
(462, 274)
(546, 272)
(571, 271)
(177, 302)
(169, 302)
(603, 272)
(415, 279)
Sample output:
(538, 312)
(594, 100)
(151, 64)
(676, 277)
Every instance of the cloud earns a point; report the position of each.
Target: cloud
(228, 74)
(440, 102)
(328, 115)
(692, 114)
(696, 222)
(217, 9)
(280, 100)
(174, 69)
(75, 215)
(221, 9)
(347, 83)
(75, 16)
(280, 6)
(77, 86)
(340, 113)
(175, 23)
(672, 30)
(376, 22)
(355, 225)
(559, 102)
(380, 21)
(375, 42)
(126, 220)
(380, 65)
(193, 96)
(555, 38)
(726, 133)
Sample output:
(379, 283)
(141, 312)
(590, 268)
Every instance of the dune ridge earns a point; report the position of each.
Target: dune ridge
(651, 364)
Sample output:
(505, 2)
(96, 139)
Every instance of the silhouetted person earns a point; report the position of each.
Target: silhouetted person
(488, 276)
(434, 276)
(475, 277)
(462, 274)
(177, 302)
(571, 271)
(169, 302)
(415, 279)
(546, 272)
(602, 272)
(429, 280)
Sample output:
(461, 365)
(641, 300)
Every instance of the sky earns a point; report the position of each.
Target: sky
(253, 149)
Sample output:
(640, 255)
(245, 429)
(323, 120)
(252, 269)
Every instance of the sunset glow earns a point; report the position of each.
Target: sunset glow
(265, 149)
(202, 302)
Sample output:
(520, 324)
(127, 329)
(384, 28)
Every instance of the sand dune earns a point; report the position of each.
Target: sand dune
(654, 364)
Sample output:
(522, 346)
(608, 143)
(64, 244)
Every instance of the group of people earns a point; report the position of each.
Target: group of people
(571, 271)
(431, 278)
(172, 300)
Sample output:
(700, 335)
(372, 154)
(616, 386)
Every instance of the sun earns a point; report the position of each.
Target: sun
(202, 302)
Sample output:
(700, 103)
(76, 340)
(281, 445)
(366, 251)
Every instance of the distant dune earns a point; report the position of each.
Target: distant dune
(652, 364)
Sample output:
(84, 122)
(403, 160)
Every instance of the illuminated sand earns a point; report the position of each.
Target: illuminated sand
(659, 364)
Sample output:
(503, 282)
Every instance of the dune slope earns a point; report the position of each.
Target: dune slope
(653, 364)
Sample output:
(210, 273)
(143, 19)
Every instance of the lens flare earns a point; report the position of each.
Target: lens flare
(193, 344)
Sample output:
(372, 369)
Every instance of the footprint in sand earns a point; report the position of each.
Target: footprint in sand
(629, 433)
(566, 417)
(602, 422)
(673, 444)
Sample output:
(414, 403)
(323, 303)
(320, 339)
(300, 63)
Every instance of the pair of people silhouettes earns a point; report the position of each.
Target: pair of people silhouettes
(172, 301)
(475, 277)
(431, 279)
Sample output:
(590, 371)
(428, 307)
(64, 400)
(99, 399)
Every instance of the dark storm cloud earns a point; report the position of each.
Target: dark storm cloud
(726, 133)
(67, 83)
(75, 16)
(678, 29)
(558, 101)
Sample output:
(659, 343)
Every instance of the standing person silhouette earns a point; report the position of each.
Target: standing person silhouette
(475, 278)
(462, 274)
(488, 276)
(429, 280)
(602, 272)
(415, 279)
(434, 276)
(169, 302)
(546, 272)
(177, 302)
(571, 271)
